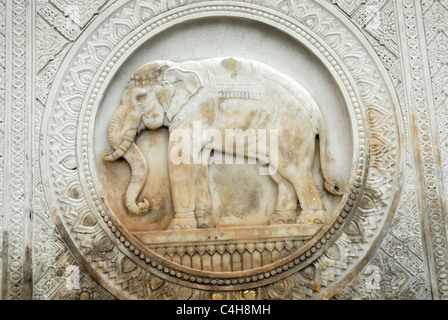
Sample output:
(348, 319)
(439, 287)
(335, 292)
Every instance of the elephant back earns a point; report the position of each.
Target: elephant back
(235, 78)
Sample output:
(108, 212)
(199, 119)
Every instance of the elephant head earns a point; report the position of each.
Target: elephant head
(153, 96)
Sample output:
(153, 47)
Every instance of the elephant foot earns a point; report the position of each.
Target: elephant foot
(312, 217)
(205, 219)
(183, 221)
(283, 217)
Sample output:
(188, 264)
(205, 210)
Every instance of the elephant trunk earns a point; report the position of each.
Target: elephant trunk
(125, 147)
(138, 177)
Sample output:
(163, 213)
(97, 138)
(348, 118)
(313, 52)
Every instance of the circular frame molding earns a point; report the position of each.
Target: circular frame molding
(114, 257)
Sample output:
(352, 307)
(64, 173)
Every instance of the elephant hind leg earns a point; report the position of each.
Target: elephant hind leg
(286, 206)
(310, 201)
(312, 207)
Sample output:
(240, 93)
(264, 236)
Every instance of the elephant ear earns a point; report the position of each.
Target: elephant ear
(184, 84)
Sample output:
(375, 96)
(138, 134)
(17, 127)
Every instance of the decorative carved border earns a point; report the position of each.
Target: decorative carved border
(162, 22)
(2, 129)
(15, 251)
(52, 34)
(400, 264)
(417, 68)
(426, 147)
(379, 119)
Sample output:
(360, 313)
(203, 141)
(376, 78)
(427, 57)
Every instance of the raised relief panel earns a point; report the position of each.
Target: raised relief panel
(215, 105)
(197, 150)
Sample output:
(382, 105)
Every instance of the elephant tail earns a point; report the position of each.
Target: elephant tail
(331, 184)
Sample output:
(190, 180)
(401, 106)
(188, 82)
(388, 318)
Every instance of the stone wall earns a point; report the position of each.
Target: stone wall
(63, 61)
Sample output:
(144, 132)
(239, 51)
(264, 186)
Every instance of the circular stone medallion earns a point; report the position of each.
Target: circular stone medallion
(141, 257)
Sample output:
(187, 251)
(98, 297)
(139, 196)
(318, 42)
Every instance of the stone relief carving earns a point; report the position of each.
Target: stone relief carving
(435, 159)
(223, 94)
(380, 25)
(399, 260)
(266, 264)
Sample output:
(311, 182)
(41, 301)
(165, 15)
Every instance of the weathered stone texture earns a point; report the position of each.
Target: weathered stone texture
(376, 69)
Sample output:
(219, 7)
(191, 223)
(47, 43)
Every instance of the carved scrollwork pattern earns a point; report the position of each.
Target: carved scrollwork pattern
(378, 21)
(55, 34)
(405, 238)
(403, 265)
(328, 268)
(434, 14)
(2, 118)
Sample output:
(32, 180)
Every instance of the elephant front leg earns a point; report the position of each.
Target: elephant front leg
(182, 180)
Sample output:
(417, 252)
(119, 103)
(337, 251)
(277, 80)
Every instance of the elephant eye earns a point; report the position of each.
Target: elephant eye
(141, 97)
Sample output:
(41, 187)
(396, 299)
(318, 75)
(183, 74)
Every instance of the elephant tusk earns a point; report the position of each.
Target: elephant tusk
(141, 125)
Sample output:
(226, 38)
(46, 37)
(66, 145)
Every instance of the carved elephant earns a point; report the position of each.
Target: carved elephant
(223, 93)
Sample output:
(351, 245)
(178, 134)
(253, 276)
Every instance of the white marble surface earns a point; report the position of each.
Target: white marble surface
(377, 70)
